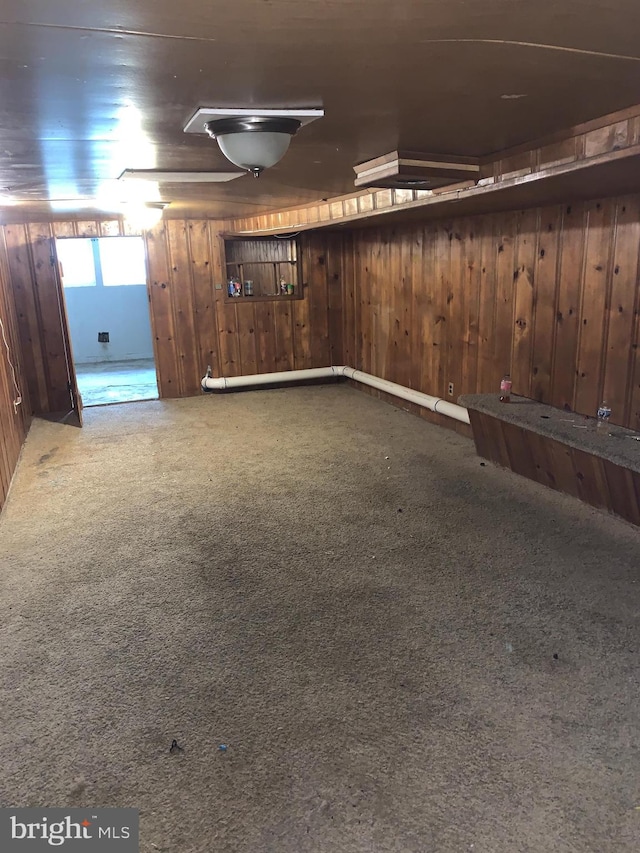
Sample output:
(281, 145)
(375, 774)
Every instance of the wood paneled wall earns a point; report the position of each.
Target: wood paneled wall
(14, 423)
(42, 338)
(194, 324)
(549, 294)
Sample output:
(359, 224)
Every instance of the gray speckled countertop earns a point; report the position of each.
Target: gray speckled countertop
(618, 445)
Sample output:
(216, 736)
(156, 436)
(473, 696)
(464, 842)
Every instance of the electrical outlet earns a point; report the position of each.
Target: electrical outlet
(103, 337)
(451, 389)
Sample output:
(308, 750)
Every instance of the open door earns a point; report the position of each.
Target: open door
(74, 415)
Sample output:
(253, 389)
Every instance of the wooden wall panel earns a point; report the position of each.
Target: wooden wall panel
(544, 294)
(486, 315)
(471, 276)
(196, 325)
(49, 310)
(193, 323)
(161, 293)
(202, 272)
(28, 317)
(315, 278)
(523, 300)
(14, 421)
(43, 343)
(568, 289)
(186, 337)
(505, 261)
(550, 295)
(621, 308)
(593, 315)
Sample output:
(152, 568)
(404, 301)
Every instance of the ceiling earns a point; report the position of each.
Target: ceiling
(91, 87)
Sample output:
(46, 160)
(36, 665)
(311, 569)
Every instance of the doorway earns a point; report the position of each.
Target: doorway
(105, 288)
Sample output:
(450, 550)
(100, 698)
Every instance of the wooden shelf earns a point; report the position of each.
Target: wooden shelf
(242, 263)
(266, 263)
(610, 174)
(280, 297)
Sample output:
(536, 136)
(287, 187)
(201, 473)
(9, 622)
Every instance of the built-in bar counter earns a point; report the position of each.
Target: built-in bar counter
(597, 463)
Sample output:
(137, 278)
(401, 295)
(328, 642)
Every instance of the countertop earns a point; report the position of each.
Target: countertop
(617, 444)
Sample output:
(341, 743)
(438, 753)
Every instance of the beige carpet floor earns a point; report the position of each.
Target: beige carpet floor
(340, 594)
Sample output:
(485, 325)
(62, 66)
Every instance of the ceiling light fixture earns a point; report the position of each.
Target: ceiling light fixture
(253, 139)
(255, 142)
(144, 215)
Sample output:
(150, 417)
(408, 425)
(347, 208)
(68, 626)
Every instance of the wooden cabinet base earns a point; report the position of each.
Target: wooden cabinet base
(590, 478)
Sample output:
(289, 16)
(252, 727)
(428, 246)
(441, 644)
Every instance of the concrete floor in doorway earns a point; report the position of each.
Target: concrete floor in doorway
(117, 381)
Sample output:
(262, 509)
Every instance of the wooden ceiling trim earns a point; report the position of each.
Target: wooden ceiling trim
(630, 114)
(607, 174)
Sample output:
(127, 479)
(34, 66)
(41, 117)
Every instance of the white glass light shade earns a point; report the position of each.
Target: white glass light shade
(254, 150)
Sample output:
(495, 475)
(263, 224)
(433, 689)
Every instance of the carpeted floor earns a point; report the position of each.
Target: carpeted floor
(339, 593)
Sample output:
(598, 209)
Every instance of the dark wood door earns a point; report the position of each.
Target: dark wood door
(74, 414)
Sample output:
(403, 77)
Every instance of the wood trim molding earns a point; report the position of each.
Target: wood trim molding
(601, 175)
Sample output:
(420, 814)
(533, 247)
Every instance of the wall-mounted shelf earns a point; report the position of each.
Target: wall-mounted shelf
(262, 269)
(605, 175)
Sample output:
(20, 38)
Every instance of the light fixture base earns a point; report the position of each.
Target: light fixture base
(252, 124)
(408, 169)
(199, 119)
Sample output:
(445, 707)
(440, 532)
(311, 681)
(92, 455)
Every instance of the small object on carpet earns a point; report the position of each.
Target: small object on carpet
(175, 747)
(223, 747)
(482, 464)
(555, 656)
(399, 510)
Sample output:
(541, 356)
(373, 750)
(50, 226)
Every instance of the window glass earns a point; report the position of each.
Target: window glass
(122, 261)
(76, 262)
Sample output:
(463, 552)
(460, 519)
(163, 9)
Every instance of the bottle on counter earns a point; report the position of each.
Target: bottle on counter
(604, 413)
(505, 388)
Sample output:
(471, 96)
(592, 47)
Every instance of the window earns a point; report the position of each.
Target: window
(76, 262)
(101, 261)
(122, 261)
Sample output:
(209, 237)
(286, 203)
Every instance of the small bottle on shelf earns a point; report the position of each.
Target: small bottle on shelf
(505, 388)
(604, 413)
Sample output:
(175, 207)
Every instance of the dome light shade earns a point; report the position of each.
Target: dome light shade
(253, 143)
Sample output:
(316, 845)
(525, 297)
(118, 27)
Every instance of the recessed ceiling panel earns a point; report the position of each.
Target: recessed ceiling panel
(179, 177)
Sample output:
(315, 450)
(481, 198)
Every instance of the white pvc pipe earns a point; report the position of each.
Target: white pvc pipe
(219, 384)
(435, 404)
